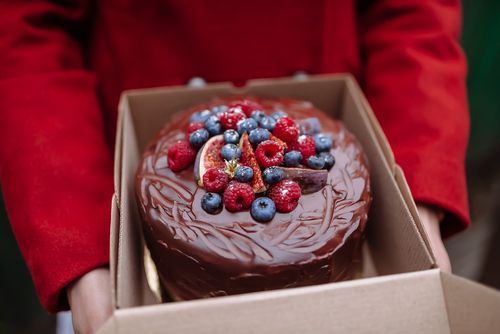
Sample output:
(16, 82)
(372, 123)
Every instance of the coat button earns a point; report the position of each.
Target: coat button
(196, 82)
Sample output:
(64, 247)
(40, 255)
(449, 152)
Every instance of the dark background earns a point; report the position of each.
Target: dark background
(473, 253)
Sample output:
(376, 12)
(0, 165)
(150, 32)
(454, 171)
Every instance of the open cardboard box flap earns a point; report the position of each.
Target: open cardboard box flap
(411, 296)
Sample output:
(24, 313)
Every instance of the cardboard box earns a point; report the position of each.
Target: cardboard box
(408, 294)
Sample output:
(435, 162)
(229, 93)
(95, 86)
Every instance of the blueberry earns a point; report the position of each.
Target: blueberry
(231, 137)
(258, 115)
(323, 142)
(279, 114)
(247, 125)
(273, 175)
(243, 174)
(211, 203)
(267, 123)
(309, 126)
(329, 159)
(315, 162)
(230, 152)
(292, 158)
(258, 135)
(217, 110)
(198, 138)
(200, 116)
(213, 126)
(263, 209)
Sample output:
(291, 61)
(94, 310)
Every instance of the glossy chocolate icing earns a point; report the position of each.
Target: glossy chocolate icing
(201, 255)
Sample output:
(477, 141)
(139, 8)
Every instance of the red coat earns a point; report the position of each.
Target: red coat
(63, 65)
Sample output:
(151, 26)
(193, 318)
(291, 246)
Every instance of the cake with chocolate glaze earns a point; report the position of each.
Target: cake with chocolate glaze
(249, 194)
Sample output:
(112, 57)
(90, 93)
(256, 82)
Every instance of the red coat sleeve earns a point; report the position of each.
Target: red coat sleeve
(414, 77)
(55, 166)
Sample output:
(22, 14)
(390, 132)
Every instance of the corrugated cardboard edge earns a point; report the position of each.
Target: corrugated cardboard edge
(372, 119)
(396, 169)
(122, 106)
(383, 147)
(406, 192)
(113, 247)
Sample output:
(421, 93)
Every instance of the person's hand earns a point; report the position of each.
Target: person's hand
(90, 300)
(430, 218)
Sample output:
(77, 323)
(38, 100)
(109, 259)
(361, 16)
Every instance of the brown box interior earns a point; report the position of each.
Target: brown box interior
(405, 297)
(394, 241)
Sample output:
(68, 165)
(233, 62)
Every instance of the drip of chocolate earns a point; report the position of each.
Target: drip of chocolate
(202, 255)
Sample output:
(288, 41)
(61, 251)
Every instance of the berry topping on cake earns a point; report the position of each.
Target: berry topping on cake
(211, 203)
(230, 118)
(315, 162)
(309, 126)
(238, 196)
(323, 142)
(231, 136)
(243, 174)
(286, 129)
(209, 157)
(267, 123)
(285, 195)
(247, 125)
(273, 175)
(258, 135)
(192, 127)
(243, 150)
(292, 158)
(198, 138)
(215, 180)
(309, 180)
(329, 159)
(180, 155)
(246, 106)
(279, 114)
(217, 110)
(230, 152)
(258, 115)
(269, 153)
(213, 125)
(263, 209)
(248, 159)
(200, 116)
(305, 145)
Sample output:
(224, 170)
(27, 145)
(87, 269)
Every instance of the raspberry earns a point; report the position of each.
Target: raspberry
(305, 145)
(215, 180)
(246, 106)
(192, 127)
(286, 130)
(180, 155)
(269, 153)
(285, 195)
(230, 118)
(238, 196)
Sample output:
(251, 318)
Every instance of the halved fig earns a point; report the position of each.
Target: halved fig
(248, 159)
(208, 156)
(309, 180)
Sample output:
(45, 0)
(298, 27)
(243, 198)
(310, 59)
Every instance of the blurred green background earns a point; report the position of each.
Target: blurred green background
(472, 253)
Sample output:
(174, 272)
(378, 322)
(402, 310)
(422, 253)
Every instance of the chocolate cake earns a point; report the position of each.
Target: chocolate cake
(229, 212)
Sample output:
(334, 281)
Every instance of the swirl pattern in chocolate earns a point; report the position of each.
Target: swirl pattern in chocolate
(201, 255)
